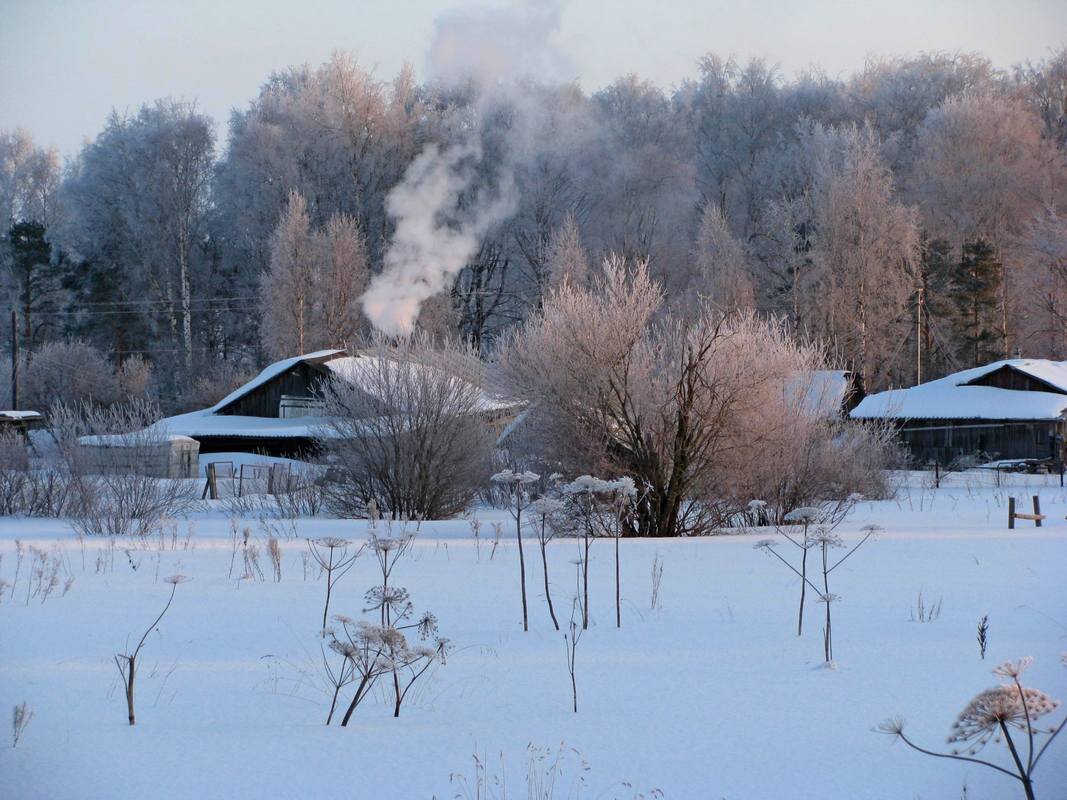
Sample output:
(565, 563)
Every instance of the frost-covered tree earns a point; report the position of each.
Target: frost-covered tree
(309, 296)
(344, 272)
(678, 404)
(135, 212)
(567, 257)
(1044, 249)
(29, 180)
(1045, 85)
(722, 264)
(865, 248)
(288, 290)
(983, 171)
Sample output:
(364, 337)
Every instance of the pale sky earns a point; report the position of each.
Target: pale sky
(65, 63)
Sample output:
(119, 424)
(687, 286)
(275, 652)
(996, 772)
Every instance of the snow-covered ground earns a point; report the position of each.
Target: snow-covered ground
(712, 695)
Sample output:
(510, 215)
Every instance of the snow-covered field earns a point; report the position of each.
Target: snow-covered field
(712, 695)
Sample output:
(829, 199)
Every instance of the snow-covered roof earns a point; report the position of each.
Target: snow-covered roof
(13, 415)
(954, 396)
(824, 390)
(157, 437)
(363, 371)
(269, 373)
(358, 369)
(198, 424)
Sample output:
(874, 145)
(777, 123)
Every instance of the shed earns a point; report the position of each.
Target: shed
(1010, 409)
(21, 421)
(155, 456)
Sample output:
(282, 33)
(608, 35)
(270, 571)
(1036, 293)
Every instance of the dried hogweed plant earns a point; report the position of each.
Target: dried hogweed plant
(127, 662)
(332, 555)
(991, 717)
(825, 541)
(542, 510)
(516, 484)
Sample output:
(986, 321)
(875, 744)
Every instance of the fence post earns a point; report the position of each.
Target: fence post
(1011, 513)
(1037, 511)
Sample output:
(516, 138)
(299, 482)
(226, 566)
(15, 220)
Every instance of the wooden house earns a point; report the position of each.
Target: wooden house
(280, 412)
(1011, 409)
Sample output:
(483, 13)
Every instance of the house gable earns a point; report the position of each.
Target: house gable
(1010, 377)
(303, 377)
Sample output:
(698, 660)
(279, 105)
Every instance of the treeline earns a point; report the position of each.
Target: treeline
(909, 216)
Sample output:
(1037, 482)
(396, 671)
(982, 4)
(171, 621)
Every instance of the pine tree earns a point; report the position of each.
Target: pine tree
(977, 280)
(935, 274)
(37, 285)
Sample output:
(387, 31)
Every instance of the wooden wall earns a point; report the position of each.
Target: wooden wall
(301, 380)
(945, 440)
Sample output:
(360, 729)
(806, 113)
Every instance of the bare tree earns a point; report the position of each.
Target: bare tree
(107, 456)
(404, 431)
(680, 405)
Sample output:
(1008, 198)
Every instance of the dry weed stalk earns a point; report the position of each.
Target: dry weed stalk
(20, 718)
(515, 484)
(331, 554)
(127, 662)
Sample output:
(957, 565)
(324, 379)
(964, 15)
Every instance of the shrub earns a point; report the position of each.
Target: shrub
(214, 381)
(74, 372)
(405, 433)
(704, 412)
(115, 500)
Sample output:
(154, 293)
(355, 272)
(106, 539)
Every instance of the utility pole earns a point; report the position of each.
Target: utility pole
(919, 338)
(14, 360)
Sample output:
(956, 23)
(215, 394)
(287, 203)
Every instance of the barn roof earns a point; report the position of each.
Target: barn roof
(957, 397)
(210, 422)
(364, 372)
(822, 392)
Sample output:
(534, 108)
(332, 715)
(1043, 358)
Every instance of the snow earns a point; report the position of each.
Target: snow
(951, 398)
(199, 423)
(711, 695)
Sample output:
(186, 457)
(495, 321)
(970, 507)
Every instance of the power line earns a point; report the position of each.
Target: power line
(137, 313)
(165, 302)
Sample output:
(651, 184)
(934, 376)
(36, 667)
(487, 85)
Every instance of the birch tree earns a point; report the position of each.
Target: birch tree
(288, 289)
(865, 251)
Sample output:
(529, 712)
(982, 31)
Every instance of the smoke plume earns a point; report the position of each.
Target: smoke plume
(439, 217)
